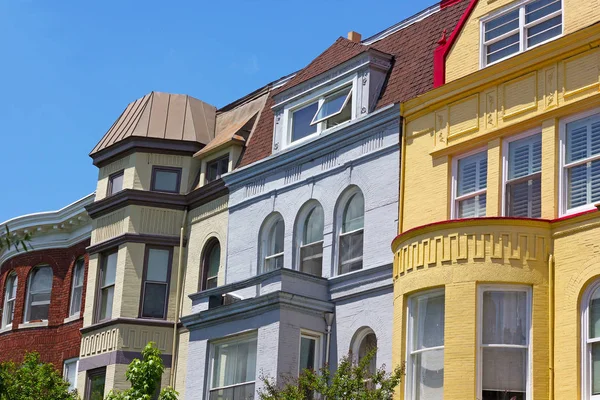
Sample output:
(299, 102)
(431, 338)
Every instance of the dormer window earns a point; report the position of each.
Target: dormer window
(520, 28)
(216, 168)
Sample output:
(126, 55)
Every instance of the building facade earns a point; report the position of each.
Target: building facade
(496, 264)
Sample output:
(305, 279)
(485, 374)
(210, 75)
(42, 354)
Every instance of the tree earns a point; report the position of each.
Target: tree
(8, 240)
(33, 380)
(351, 381)
(144, 376)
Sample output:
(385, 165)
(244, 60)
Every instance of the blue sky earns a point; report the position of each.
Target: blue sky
(70, 67)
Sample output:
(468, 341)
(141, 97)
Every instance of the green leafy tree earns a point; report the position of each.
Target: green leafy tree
(8, 240)
(351, 381)
(144, 376)
(33, 380)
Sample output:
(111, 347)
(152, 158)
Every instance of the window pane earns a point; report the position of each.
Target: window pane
(106, 303)
(544, 31)
(429, 375)
(76, 300)
(165, 181)
(332, 104)
(595, 368)
(502, 25)
(79, 272)
(110, 269)
(97, 387)
(503, 48)
(345, 115)
(428, 319)
(354, 212)
(307, 353)
(214, 260)
(313, 227)
(368, 344)
(472, 174)
(216, 168)
(234, 363)
(525, 157)
(240, 392)
(273, 263)
(595, 314)
(41, 280)
(158, 265)
(311, 259)
(155, 297)
(116, 183)
(505, 317)
(524, 198)
(38, 312)
(70, 373)
(351, 252)
(504, 370)
(11, 287)
(276, 237)
(539, 9)
(472, 207)
(301, 119)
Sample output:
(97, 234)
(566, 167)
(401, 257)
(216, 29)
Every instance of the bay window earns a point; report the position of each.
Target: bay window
(39, 291)
(233, 369)
(470, 193)
(10, 295)
(155, 282)
(523, 177)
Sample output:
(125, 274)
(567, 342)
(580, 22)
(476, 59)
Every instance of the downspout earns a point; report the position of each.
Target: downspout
(178, 300)
(329, 321)
(551, 325)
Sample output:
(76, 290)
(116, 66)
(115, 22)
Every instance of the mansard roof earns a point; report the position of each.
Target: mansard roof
(411, 43)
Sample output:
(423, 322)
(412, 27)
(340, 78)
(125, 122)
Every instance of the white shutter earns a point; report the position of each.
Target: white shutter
(524, 160)
(472, 178)
(583, 151)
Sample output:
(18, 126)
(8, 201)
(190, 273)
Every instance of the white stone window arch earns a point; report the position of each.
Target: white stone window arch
(309, 238)
(350, 230)
(590, 355)
(39, 291)
(363, 342)
(272, 237)
(10, 295)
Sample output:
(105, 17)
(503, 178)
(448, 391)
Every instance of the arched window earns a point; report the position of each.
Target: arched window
(273, 233)
(38, 294)
(351, 233)
(10, 294)
(590, 329)
(364, 342)
(211, 262)
(77, 287)
(311, 240)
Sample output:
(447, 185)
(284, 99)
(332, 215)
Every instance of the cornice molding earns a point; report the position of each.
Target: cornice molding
(153, 240)
(128, 321)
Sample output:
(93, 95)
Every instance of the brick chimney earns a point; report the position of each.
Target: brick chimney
(354, 36)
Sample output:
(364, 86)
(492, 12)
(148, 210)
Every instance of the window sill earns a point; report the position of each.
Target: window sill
(72, 318)
(28, 325)
(7, 328)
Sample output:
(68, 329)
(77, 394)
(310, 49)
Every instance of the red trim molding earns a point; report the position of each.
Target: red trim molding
(441, 52)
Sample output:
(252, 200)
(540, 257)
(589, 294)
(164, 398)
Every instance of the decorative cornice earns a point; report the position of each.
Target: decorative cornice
(206, 193)
(153, 240)
(128, 197)
(128, 321)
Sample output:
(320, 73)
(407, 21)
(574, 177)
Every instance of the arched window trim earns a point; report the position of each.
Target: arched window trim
(341, 207)
(77, 289)
(306, 212)
(208, 249)
(9, 301)
(586, 347)
(266, 233)
(32, 273)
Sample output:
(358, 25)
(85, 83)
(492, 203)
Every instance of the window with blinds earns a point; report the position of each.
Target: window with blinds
(523, 181)
(471, 186)
(582, 163)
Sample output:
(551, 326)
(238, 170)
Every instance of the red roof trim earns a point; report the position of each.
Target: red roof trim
(441, 52)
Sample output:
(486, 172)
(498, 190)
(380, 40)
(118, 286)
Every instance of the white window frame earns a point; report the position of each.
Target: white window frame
(410, 323)
(244, 337)
(562, 176)
(26, 316)
(300, 231)
(322, 102)
(265, 237)
(504, 288)
(586, 348)
(5, 324)
(455, 200)
(317, 337)
(342, 202)
(71, 361)
(522, 29)
(76, 313)
(505, 161)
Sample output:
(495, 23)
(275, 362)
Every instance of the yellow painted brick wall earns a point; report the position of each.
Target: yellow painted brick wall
(126, 164)
(145, 161)
(463, 58)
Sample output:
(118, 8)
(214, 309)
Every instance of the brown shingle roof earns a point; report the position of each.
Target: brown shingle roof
(410, 76)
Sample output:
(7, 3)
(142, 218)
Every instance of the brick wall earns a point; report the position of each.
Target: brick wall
(59, 340)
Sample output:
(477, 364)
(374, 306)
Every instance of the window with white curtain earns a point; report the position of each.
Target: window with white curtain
(470, 186)
(233, 369)
(523, 177)
(77, 287)
(425, 343)
(10, 295)
(520, 28)
(309, 352)
(351, 234)
(582, 164)
(504, 337)
(70, 372)
(590, 329)
(273, 236)
(39, 292)
(311, 247)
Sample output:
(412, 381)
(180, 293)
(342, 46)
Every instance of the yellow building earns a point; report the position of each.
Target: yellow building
(497, 261)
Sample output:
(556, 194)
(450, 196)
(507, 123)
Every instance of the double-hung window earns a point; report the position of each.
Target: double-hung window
(352, 234)
(10, 295)
(233, 369)
(211, 265)
(309, 352)
(216, 168)
(505, 320)
(77, 287)
(39, 293)
(311, 248)
(155, 286)
(273, 244)
(590, 328)
(582, 164)
(520, 28)
(106, 286)
(425, 343)
(471, 186)
(523, 177)
(70, 372)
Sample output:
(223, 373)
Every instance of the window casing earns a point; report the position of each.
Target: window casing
(106, 286)
(504, 351)
(310, 351)
(211, 264)
(77, 287)
(115, 182)
(39, 292)
(233, 369)
(520, 28)
(311, 245)
(352, 234)
(273, 237)
(590, 330)
(95, 383)
(470, 186)
(425, 346)
(216, 168)
(523, 176)
(165, 179)
(580, 163)
(70, 372)
(155, 282)
(10, 295)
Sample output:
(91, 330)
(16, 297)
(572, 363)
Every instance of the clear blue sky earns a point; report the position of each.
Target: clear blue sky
(69, 68)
